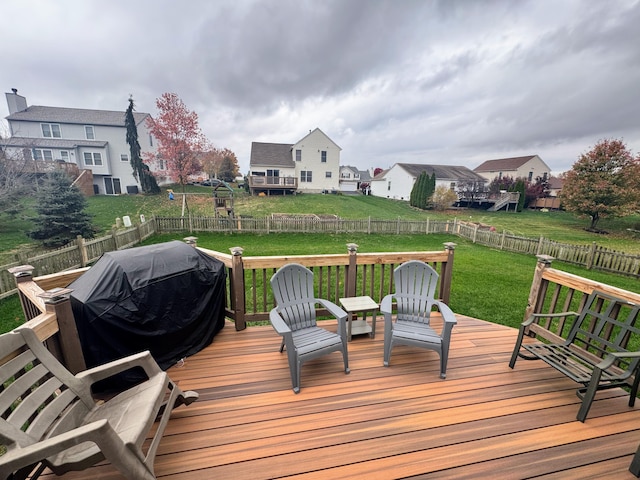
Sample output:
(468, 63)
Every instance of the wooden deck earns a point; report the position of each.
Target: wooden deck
(484, 421)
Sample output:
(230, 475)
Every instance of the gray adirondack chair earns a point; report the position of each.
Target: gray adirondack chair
(294, 318)
(49, 418)
(415, 287)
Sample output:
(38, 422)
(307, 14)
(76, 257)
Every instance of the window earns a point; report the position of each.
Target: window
(389, 185)
(50, 130)
(88, 132)
(298, 155)
(64, 155)
(112, 186)
(39, 154)
(150, 140)
(452, 186)
(306, 176)
(323, 156)
(530, 178)
(94, 158)
(124, 157)
(162, 165)
(327, 174)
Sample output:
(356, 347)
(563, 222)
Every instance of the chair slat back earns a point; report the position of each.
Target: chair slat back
(415, 288)
(607, 324)
(293, 291)
(34, 402)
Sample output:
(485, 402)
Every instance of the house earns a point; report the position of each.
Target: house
(351, 178)
(529, 167)
(555, 186)
(397, 182)
(94, 140)
(311, 165)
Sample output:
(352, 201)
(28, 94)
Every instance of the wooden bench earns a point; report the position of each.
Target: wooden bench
(49, 417)
(599, 352)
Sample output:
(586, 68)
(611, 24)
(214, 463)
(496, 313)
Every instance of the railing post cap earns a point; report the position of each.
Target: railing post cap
(546, 259)
(450, 245)
(190, 240)
(352, 247)
(55, 295)
(21, 271)
(236, 251)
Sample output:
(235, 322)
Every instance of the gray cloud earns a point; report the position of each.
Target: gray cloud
(449, 81)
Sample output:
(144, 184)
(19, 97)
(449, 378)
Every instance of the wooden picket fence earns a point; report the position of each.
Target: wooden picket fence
(82, 252)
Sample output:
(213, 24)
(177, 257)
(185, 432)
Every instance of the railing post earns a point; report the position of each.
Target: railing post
(193, 241)
(536, 294)
(447, 273)
(350, 287)
(57, 301)
(238, 288)
(22, 274)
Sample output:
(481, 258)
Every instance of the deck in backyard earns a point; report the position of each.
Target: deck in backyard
(484, 421)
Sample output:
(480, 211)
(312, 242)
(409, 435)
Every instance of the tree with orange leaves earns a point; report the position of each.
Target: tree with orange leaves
(603, 183)
(180, 140)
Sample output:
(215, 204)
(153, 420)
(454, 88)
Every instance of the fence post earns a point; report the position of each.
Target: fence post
(84, 257)
(447, 272)
(114, 236)
(592, 255)
(57, 301)
(475, 233)
(350, 287)
(539, 249)
(536, 293)
(237, 288)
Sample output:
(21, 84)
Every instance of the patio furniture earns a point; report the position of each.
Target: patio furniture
(354, 305)
(49, 417)
(595, 352)
(415, 287)
(294, 318)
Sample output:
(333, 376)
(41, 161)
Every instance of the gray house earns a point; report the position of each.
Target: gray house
(93, 140)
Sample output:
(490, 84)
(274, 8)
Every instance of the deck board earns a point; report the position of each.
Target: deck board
(395, 422)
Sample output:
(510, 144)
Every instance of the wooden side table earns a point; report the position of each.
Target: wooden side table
(354, 305)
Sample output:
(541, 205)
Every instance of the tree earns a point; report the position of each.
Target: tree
(180, 140)
(229, 169)
(443, 197)
(16, 178)
(377, 170)
(60, 208)
(141, 170)
(520, 187)
(604, 182)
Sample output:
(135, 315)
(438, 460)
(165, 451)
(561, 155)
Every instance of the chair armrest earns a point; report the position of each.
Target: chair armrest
(447, 314)
(142, 359)
(278, 324)
(535, 316)
(20, 457)
(611, 358)
(386, 306)
(334, 309)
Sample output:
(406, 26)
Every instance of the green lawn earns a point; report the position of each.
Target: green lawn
(487, 283)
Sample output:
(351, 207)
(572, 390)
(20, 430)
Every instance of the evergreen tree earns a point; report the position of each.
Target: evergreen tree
(520, 187)
(61, 216)
(413, 197)
(141, 170)
(431, 188)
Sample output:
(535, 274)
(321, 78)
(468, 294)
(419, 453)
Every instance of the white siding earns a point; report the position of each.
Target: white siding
(312, 147)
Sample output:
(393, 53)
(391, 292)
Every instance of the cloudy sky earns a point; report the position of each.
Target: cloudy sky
(450, 82)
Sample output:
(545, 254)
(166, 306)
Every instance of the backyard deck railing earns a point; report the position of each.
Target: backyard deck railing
(248, 298)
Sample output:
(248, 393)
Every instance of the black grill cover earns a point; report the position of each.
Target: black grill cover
(166, 298)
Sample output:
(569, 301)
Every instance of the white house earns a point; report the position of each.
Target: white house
(397, 182)
(312, 165)
(529, 167)
(351, 178)
(92, 139)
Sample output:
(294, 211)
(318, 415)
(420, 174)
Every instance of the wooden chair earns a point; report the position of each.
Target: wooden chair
(294, 318)
(415, 287)
(49, 418)
(595, 352)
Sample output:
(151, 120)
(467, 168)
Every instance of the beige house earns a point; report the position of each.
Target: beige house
(529, 167)
(311, 165)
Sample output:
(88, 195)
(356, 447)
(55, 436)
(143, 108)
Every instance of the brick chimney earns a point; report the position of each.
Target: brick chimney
(15, 102)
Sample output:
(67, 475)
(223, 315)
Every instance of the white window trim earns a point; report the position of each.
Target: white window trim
(124, 157)
(87, 129)
(50, 128)
(94, 156)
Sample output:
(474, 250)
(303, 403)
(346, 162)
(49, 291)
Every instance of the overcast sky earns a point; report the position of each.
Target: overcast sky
(450, 82)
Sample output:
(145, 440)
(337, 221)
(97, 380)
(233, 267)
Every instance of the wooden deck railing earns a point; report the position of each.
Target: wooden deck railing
(249, 298)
